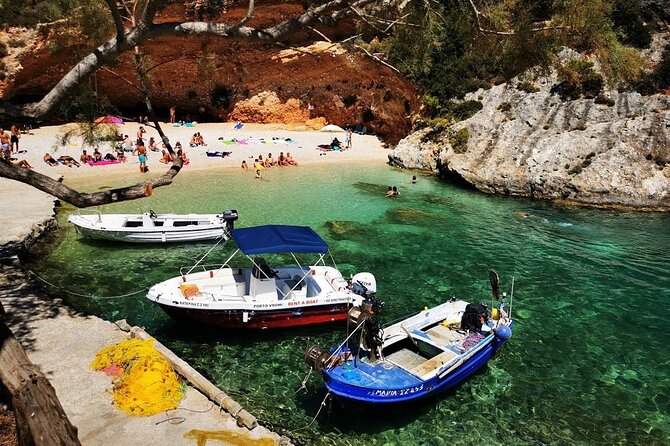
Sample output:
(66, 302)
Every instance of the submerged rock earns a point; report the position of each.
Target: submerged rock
(343, 230)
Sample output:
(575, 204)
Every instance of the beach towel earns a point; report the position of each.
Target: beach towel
(218, 154)
(103, 162)
(238, 126)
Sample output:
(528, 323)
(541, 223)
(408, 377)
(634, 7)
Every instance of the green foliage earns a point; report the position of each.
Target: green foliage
(662, 71)
(604, 100)
(630, 25)
(447, 57)
(459, 140)
(505, 107)
(578, 79)
(22, 13)
(452, 111)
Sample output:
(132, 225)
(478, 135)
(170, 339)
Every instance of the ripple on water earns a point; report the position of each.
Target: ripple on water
(588, 362)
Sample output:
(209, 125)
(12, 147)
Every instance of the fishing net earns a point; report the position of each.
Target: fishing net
(146, 383)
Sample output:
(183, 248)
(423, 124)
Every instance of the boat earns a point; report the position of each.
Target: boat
(150, 227)
(259, 296)
(417, 357)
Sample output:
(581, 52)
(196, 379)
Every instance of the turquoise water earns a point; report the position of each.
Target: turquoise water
(588, 362)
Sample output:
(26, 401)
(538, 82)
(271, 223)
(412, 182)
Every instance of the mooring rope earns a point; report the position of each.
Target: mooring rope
(323, 404)
(143, 290)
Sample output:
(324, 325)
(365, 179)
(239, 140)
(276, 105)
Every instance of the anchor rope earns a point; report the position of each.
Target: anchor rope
(143, 290)
(323, 404)
(303, 386)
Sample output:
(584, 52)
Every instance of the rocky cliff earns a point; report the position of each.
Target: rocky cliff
(613, 150)
(212, 78)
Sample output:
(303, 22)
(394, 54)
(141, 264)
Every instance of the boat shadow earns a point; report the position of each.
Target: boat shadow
(191, 332)
(376, 418)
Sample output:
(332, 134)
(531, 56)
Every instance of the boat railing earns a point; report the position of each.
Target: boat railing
(84, 212)
(185, 270)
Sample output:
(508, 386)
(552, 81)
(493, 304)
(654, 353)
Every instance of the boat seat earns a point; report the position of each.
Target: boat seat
(433, 363)
(444, 335)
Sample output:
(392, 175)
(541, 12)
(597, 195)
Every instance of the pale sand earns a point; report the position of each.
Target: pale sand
(365, 148)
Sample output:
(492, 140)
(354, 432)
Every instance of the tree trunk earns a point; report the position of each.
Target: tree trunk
(80, 199)
(40, 418)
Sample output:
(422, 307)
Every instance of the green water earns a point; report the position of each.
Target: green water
(588, 362)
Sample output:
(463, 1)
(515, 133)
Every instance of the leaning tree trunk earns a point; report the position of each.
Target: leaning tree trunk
(40, 418)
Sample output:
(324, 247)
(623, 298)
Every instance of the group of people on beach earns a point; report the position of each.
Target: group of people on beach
(261, 164)
(9, 145)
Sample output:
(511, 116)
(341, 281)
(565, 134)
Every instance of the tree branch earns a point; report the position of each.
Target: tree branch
(377, 58)
(478, 14)
(110, 50)
(80, 199)
(118, 20)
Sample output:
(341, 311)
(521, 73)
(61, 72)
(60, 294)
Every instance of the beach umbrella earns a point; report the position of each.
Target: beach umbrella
(109, 120)
(332, 128)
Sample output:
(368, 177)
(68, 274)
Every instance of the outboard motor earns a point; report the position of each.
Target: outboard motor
(364, 284)
(230, 216)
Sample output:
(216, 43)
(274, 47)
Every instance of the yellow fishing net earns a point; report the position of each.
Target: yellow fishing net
(146, 384)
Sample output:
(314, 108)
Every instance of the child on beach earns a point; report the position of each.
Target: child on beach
(245, 166)
(258, 174)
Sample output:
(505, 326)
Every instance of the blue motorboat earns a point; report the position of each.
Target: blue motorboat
(422, 355)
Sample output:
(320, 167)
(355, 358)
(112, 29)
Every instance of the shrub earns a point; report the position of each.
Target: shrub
(605, 100)
(221, 96)
(3, 49)
(465, 110)
(459, 140)
(528, 87)
(662, 72)
(505, 107)
(578, 79)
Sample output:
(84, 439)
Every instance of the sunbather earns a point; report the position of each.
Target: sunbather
(22, 163)
(50, 160)
(167, 158)
(68, 161)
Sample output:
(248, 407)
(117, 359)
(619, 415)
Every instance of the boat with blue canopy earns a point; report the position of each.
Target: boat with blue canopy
(260, 295)
(420, 356)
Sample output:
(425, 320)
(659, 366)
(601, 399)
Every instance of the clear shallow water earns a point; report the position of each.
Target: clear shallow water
(588, 362)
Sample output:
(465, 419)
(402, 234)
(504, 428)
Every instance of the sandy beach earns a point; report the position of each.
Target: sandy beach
(257, 139)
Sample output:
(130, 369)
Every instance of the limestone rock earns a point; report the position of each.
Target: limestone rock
(535, 144)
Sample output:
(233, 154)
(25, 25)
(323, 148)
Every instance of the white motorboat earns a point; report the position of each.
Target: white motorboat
(261, 296)
(150, 227)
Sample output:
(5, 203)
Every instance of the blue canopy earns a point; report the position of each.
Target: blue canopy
(277, 239)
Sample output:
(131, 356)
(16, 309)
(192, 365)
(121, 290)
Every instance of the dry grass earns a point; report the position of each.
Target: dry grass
(7, 427)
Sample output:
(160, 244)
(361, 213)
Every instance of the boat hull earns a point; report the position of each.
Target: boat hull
(158, 236)
(163, 228)
(414, 389)
(259, 319)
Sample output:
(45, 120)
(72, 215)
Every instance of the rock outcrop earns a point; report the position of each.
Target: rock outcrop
(613, 150)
